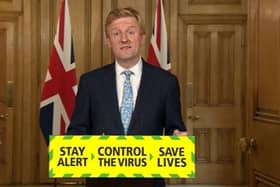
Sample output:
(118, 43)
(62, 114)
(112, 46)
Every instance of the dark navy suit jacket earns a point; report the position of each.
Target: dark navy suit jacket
(97, 112)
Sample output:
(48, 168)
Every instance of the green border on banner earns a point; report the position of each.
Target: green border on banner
(155, 144)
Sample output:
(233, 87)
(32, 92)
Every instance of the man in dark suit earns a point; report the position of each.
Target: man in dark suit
(145, 102)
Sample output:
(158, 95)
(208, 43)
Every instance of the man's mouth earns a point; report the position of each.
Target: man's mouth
(125, 47)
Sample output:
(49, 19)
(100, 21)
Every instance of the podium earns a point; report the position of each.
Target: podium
(122, 159)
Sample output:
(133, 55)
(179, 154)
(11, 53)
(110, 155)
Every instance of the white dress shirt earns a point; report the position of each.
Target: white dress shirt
(134, 79)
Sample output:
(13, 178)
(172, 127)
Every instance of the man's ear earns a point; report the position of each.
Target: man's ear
(143, 37)
(107, 42)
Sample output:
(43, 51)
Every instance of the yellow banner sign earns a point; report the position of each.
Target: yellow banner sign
(122, 156)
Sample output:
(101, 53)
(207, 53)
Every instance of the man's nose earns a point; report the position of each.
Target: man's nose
(124, 37)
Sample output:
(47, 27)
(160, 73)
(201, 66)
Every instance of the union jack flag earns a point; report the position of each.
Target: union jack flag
(158, 50)
(60, 86)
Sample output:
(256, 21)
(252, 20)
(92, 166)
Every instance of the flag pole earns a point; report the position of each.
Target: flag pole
(55, 182)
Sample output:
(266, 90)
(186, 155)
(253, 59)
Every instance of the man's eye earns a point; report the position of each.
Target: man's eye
(131, 32)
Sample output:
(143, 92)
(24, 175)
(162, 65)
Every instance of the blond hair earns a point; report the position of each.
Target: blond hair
(121, 13)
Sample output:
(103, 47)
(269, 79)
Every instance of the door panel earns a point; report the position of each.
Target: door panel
(214, 75)
(263, 92)
(6, 110)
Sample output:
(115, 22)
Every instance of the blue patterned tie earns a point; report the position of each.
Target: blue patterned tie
(127, 101)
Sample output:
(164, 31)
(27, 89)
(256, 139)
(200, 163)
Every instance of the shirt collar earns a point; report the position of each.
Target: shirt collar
(136, 69)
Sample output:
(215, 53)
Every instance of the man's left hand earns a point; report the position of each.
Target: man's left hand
(180, 133)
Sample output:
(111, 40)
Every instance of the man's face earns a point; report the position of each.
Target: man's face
(125, 39)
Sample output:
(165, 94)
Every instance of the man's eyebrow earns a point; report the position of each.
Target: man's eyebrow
(115, 28)
(132, 26)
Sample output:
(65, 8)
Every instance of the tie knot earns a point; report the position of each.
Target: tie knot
(127, 74)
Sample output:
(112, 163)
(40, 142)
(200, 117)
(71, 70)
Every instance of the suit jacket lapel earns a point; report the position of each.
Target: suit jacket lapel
(111, 97)
(145, 85)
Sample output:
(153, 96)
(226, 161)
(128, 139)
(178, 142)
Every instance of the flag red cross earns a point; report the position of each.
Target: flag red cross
(61, 82)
